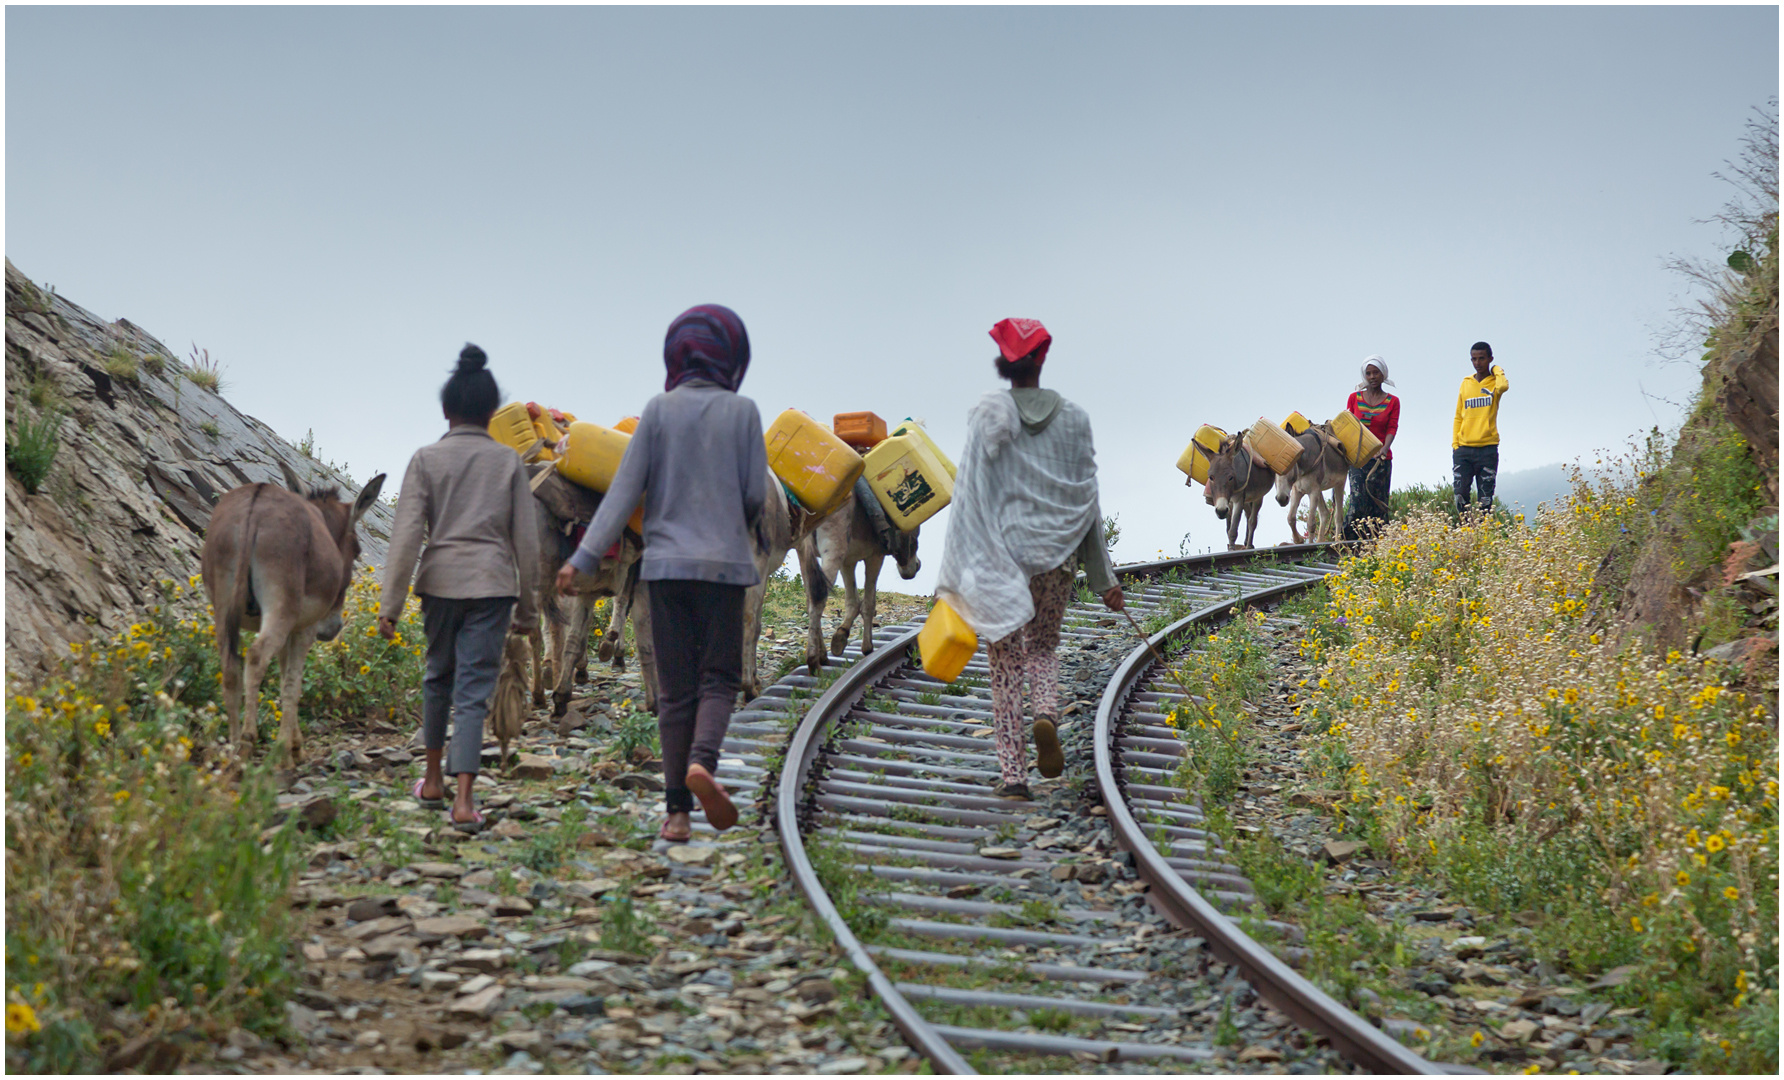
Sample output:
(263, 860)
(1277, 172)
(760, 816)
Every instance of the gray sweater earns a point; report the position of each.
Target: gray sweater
(698, 461)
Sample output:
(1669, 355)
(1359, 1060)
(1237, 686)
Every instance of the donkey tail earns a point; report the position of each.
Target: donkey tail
(238, 593)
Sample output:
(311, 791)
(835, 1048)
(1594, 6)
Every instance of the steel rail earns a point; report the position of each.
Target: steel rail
(802, 753)
(1305, 1003)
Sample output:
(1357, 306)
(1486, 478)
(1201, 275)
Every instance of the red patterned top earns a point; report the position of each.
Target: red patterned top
(1381, 420)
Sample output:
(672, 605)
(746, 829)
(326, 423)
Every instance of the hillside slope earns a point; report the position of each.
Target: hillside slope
(143, 456)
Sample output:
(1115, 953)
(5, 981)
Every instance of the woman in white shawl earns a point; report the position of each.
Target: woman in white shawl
(1025, 515)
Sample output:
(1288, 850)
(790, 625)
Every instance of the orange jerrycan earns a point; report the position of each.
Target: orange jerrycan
(817, 467)
(946, 643)
(861, 430)
(628, 425)
(1200, 451)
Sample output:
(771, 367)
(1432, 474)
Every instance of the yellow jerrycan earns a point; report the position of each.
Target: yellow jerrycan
(628, 425)
(1295, 423)
(1200, 451)
(908, 480)
(946, 643)
(817, 467)
(590, 455)
(907, 426)
(1360, 444)
(513, 428)
(1274, 445)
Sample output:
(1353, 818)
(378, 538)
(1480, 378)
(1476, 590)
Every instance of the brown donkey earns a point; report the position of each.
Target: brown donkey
(278, 561)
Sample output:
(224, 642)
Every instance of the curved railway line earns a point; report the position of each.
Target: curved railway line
(889, 775)
(892, 770)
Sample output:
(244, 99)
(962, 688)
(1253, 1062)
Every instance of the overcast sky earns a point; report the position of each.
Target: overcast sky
(1218, 211)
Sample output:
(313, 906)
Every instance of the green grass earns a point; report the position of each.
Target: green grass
(31, 445)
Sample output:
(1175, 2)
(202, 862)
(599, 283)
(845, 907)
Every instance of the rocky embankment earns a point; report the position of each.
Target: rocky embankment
(144, 454)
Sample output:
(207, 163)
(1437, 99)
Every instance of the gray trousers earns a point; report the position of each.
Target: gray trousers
(465, 639)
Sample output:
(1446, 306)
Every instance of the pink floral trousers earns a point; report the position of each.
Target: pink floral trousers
(1030, 653)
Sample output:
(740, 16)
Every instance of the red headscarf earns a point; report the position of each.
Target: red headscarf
(1017, 338)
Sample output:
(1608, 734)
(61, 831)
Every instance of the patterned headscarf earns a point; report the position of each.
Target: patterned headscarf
(706, 342)
(1017, 338)
(1374, 362)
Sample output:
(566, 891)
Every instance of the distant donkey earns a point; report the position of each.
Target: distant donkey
(1238, 479)
(858, 531)
(1321, 467)
(278, 562)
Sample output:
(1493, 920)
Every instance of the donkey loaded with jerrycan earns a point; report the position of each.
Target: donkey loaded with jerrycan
(278, 561)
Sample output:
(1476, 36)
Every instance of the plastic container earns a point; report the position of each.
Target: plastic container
(908, 479)
(861, 430)
(590, 454)
(628, 425)
(907, 426)
(1277, 447)
(1295, 424)
(1200, 451)
(946, 643)
(546, 429)
(512, 427)
(819, 468)
(1360, 444)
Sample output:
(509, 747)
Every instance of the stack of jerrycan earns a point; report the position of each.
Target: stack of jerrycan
(1360, 444)
(818, 469)
(589, 455)
(1200, 451)
(1278, 449)
(910, 476)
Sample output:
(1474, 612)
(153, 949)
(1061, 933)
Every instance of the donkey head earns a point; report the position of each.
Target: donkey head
(1229, 473)
(342, 522)
(904, 552)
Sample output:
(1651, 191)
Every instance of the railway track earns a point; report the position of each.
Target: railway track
(886, 782)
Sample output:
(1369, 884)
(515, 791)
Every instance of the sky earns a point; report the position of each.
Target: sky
(1218, 212)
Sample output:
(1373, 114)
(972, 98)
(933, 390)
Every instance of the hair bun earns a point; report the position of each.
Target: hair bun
(471, 359)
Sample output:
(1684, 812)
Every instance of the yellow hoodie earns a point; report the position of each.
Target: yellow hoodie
(1477, 410)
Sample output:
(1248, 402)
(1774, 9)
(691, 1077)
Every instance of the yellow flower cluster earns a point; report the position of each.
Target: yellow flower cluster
(1467, 673)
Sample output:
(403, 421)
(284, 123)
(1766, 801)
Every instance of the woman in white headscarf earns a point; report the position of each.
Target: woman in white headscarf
(1379, 411)
(1025, 516)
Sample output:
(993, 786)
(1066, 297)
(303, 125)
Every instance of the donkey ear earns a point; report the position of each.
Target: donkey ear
(291, 480)
(367, 496)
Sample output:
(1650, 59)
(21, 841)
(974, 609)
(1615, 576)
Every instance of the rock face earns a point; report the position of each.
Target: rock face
(143, 459)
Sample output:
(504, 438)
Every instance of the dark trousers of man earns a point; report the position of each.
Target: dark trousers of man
(465, 638)
(697, 627)
(1474, 466)
(1368, 498)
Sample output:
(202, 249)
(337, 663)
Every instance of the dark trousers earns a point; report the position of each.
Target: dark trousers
(464, 656)
(697, 627)
(1368, 497)
(1474, 466)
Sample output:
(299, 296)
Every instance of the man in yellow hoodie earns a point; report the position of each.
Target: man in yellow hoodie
(1474, 441)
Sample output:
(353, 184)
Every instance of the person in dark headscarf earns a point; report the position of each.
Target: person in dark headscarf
(698, 462)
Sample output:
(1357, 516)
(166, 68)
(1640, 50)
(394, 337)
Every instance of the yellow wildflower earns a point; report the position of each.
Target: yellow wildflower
(21, 1017)
(1714, 844)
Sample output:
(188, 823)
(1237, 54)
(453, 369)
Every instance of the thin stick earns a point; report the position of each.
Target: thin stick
(1189, 697)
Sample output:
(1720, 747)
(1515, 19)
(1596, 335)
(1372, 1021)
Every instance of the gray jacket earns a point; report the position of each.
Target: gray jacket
(1038, 407)
(698, 461)
(467, 497)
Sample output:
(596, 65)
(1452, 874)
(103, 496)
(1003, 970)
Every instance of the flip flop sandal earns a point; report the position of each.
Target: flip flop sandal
(1007, 790)
(721, 813)
(663, 834)
(472, 827)
(426, 803)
